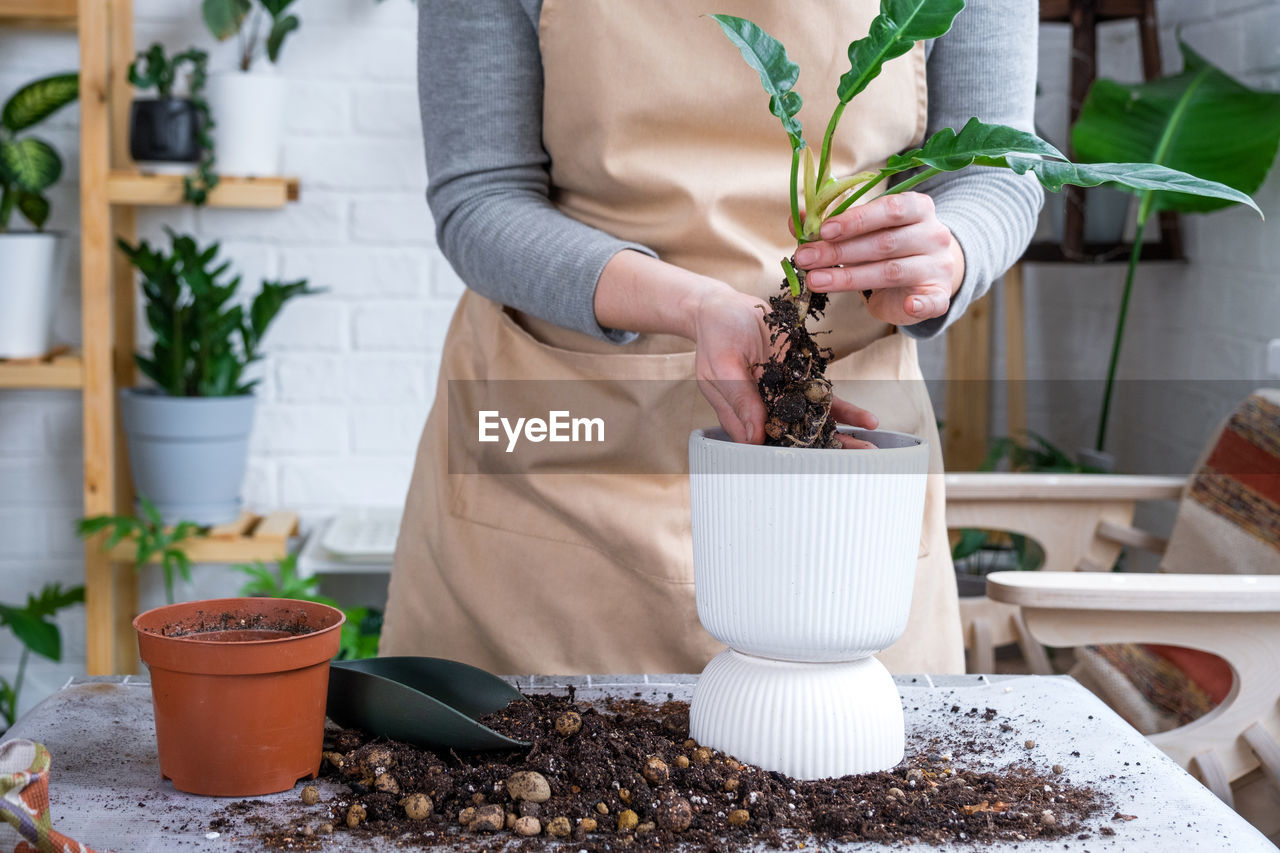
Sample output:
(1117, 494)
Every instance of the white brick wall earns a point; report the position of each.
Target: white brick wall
(351, 373)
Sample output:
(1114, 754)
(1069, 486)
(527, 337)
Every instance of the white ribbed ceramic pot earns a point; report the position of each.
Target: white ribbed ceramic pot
(803, 554)
(248, 115)
(807, 720)
(31, 269)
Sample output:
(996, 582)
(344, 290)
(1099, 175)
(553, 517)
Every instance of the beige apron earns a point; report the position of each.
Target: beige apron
(658, 134)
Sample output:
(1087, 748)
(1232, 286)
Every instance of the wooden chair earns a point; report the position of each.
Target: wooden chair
(1235, 748)
(1082, 521)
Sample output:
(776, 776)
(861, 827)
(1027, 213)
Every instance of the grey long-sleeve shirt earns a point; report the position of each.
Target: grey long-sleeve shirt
(480, 89)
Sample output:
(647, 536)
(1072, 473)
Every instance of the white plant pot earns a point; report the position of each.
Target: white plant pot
(248, 116)
(802, 554)
(31, 270)
(807, 720)
(804, 563)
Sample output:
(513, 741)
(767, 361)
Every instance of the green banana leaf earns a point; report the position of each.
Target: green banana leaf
(30, 164)
(777, 72)
(900, 24)
(1199, 121)
(38, 100)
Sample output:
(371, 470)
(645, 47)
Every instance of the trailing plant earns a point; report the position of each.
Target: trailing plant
(1200, 120)
(29, 165)
(793, 384)
(150, 538)
(34, 626)
(361, 631)
(204, 337)
(152, 69)
(268, 22)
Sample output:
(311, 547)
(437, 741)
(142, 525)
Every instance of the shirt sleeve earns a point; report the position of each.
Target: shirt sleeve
(480, 92)
(984, 67)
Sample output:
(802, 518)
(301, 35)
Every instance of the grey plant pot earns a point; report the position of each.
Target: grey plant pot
(188, 454)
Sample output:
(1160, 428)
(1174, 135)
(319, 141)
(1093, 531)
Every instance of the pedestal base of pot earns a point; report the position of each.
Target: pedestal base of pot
(807, 720)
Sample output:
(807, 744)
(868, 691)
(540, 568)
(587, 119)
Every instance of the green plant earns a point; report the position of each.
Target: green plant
(152, 69)
(227, 18)
(796, 393)
(150, 539)
(1199, 120)
(28, 165)
(204, 339)
(35, 628)
(361, 631)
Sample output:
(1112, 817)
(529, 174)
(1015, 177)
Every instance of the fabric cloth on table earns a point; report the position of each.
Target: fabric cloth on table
(24, 801)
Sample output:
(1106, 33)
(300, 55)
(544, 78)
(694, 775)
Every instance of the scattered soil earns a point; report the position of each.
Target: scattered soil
(793, 384)
(626, 776)
(230, 627)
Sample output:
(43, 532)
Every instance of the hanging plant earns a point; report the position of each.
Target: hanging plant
(154, 69)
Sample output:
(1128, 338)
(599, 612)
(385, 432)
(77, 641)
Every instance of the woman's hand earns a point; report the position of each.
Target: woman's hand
(644, 294)
(894, 247)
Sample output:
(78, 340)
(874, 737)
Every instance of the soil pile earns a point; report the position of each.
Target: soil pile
(623, 775)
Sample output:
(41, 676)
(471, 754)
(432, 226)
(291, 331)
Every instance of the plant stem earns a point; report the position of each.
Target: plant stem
(863, 190)
(824, 162)
(1134, 255)
(17, 681)
(7, 197)
(911, 182)
(795, 199)
(792, 280)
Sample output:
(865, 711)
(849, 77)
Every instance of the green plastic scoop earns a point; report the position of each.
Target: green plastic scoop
(423, 701)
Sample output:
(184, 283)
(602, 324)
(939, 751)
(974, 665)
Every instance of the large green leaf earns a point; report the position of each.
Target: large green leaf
(1055, 174)
(949, 151)
(224, 17)
(777, 72)
(40, 636)
(1200, 121)
(900, 24)
(38, 100)
(30, 164)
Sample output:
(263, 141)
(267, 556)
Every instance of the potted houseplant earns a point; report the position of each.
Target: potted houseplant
(34, 626)
(167, 133)
(189, 435)
(1199, 120)
(249, 103)
(239, 688)
(801, 693)
(31, 262)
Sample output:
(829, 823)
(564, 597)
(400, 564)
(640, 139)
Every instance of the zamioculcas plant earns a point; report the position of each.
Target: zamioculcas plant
(204, 338)
(152, 69)
(28, 165)
(796, 393)
(1198, 120)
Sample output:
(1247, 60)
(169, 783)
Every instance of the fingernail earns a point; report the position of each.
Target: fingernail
(806, 256)
(830, 230)
(751, 433)
(818, 280)
(917, 306)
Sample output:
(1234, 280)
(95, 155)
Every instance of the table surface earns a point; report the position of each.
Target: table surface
(106, 789)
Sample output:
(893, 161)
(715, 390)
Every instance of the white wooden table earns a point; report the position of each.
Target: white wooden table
(107, 791)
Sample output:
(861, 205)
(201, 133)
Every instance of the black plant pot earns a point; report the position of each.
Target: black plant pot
(164, 130)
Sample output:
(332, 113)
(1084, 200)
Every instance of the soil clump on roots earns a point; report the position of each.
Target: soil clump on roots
(623, 775)
(797, 395)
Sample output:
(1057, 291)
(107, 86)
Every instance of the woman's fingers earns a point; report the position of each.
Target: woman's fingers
(907, 306)
(915, 271)
(847, 413)
(890, 211)
(918, 238)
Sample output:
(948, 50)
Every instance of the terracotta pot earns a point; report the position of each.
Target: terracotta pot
(239, 687)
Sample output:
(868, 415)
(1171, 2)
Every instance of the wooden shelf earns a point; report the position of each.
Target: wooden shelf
(135, 188)
(248, 538)
(59, 371)
(38, 13)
